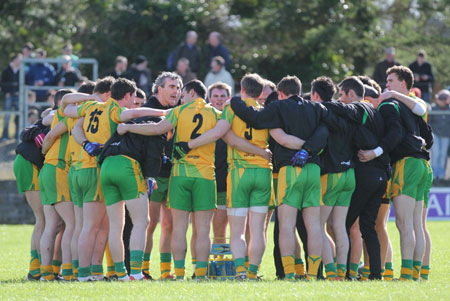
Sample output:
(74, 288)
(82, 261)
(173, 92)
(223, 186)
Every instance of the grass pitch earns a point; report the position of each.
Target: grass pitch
(14, 256)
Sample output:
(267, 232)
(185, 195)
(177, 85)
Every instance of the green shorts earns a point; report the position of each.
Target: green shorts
(274, 198)
(53, 183)
(159, 195)
(27, 174)
(337, 188)
(428, 185)
(299, 187)
(73, 195)
(191, 194)
(249, 187)
(222, 198)
(121, 179)
(409, 177)
(86, 185)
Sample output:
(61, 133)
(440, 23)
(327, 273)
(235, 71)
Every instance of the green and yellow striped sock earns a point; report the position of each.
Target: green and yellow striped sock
(239, 263)
(341, 270)
(121, 271)
(299, 267)
(96, 269)
(417, 265)
(200, 269)
(247, 262)
(146, 264)
(407, 270)
(84, 272)
(331, 272)
(365, 273)
(388, 274)
(313, 266)
(424, 272)
(252, 272)
(109, 262)
(288, 266)
(165, 264)
(179, 268)
(67, 272)
(353, 270)
(56, 266)
(35, 266)
(136, 258)
(47, 272)
(75, 264)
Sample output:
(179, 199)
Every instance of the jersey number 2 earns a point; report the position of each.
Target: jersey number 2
(197, 118)
(93, 121)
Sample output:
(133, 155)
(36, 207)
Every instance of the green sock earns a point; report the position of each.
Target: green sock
(120, 269)
(246, 262)
(75, 264)
(165, 257)
(341, 270)
(35, 266)
(424, 272)
(96, 269)
(56, 264)
(407, 269)
(330, 270)
(239, 263)
(201, 269)
(39, 256)
(353, 269)
(84, 271)
(136, 258)
(417, 265)
(252, 271)
(179, 268)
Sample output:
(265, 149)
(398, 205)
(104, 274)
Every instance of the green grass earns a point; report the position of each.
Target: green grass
(14, 256)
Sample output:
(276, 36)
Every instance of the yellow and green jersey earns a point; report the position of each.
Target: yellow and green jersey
(74, 147)
(100, 123)
(190, 121)
(58, 154)
(260, 138)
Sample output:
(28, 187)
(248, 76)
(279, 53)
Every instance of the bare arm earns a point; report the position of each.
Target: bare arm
(244, 146)
(415, 106)
(78, 132)
(141, 112)
(286, 140)
(47, 121)
(151, 129)
(73, 98)
(50, 138)
(212, 135)
(71, 111)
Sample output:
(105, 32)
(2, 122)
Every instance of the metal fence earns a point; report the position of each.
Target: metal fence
(24, 88)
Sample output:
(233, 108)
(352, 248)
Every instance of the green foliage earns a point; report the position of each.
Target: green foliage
(274, 38)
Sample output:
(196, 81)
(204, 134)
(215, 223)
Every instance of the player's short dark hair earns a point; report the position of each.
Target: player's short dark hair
(290, 85)
(220, 86)
(366, 80)
(87, 87)
(121, 87)
(59, 95)
(323, 86)
(140, 93)
(252, 84)
(271, 97)
(198, 87)
(403, 74)
(219, 60)
(352, 83)
(103, 85)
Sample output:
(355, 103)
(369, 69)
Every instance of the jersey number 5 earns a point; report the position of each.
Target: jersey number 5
(93, 121)
(197, 118)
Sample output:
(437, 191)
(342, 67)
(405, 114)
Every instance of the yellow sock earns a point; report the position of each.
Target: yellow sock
(288, 266)
(165, 264)
(388, 274)
(146, 263)
(239, 263)
(424, 272)
(35, 266)
(56, 266)
(47, 272)
(67, 272)
(299, 267)
(179, 268)
(109, 262)
(313, 266)
(407, 270)
(201, 268)
(365, 273)
(246, 262)
(417, 265)
(252, 272)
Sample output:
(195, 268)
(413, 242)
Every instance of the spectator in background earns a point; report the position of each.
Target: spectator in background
(190, 51)
(269, 88)
(423, 75)
(68, 76)
(40, 74)
(120, 67)
(140, 74)
(67, 50)
(10, 87)
(379, 75)
(184, 71)
(218, 73)
(27, 52)
(216, 48)
(441, 133)
(33, 116)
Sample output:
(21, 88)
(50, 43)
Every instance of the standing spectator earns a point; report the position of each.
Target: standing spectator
(68, 75)
(216, 48)
(184, 71)
(67, 50)
(379, 75)
(27, 52)
(140, 74)
(218, 73)
(189, 50)
(440, 124)
(423, 75)
(10, 88)
(40, 74)
(120, 67)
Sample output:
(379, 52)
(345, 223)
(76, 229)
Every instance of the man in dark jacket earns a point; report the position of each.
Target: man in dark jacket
(10, 87)
(140, 74)
(379, 75)
(40, 74)
(423, 75)
(190, 51)
(216, 48)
